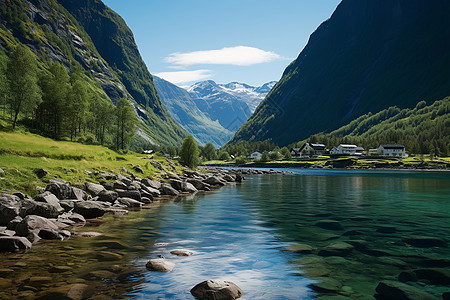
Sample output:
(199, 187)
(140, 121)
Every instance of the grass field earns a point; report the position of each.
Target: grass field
(21, 154)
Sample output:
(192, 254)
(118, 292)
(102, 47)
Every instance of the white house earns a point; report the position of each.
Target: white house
(255, 155)
(344, 149)
(310, 149)
(392, 150)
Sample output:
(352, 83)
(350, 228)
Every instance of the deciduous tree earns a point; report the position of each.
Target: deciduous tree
(189, 152)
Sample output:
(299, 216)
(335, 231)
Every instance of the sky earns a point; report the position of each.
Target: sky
(248, 41)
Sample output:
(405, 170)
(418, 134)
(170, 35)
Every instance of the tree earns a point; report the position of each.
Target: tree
(102, 113)
(264, 156)
(126, 123)
(209, 152)
(223, 155)
(55, 85)
(76, 107)
(189, 152)
(24, 93)
(286, 153)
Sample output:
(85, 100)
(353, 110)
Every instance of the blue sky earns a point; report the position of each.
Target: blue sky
(249, 41)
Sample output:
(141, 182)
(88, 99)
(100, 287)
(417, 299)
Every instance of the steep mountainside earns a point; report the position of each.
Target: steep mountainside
(368, 56)
(209, 111)
(422, 129)
(54, 34)
(184, 110)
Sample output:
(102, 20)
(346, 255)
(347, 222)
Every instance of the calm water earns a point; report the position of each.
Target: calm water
(240, 233)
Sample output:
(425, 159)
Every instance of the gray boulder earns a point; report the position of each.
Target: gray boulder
(176, 184)
(119, 185)
(133, 194)
(49, 198)
(41, 173)
(60, 189)
(33, 224)
(151, 183)
(157, 165)
(108, 196)
(30, 207)
(160, 265)
(198, 184)
(167, 189)
(393, 290)
(152, 191)
(213, 180)
(14, 243)
(93, 188)
(216, 290)
(89, 209)
(129, 202)
(67, 204)
(78, 194)
(9, 208)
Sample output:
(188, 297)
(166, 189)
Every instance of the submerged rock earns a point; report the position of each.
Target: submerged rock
(326, 285)
(393, 290)
(181, 252)
(425, 241)
(300, 248)
(160, 265)
(216, 290)
(338, 249)
(329, 224)
(14, 243)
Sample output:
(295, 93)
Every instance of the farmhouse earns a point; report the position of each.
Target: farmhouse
(295, 152)
(310, 149)
(345, 149)
(392, 150)
(255, 155)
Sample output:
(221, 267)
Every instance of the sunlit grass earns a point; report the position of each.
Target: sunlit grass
(21, 154)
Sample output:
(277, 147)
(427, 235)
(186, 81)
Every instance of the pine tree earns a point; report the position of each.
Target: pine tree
(189, 152)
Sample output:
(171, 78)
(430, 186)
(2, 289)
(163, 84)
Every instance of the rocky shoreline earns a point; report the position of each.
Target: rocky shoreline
(350, 163)
(60, 205)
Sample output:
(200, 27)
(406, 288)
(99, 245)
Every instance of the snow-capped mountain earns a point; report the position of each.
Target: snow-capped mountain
(206, 103)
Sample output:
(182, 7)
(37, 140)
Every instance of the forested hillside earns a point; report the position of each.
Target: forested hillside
(423, 129)
(69, 63)
(368, 56)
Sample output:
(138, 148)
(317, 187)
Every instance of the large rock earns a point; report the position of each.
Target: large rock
(336, 249)
(93, 188)
(32, 224)
(152, 191)
(60, 189)
(160, 265)
(108, 196)
(133, 194)
(151, 183)
(78, 194)
(9, 208)
(213, 180)
(14, 243)
(326, 285)
(198, 184)
(393, 290)
(89, 209)
(188, 187)
(129, 202)
(167, 189)
(30, 207)
(216, 290)
(438, 276)
(176, 184)
(49, 198)
(157, 165)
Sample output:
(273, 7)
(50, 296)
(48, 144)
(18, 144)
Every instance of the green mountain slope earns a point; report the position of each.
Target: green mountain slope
(54, 34)
(368, 56)
(422, 129)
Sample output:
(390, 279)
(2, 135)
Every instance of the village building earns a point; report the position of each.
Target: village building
(295, 152)
(373, 151)
(310, 150)
(345, 149)
(255, 155)
(392, 150)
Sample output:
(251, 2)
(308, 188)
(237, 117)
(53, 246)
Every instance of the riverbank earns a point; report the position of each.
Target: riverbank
(347, 163)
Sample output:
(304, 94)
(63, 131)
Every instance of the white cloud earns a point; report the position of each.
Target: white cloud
(185, 76)
(239, 56)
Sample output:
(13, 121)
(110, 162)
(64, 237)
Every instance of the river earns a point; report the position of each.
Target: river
(241, 233)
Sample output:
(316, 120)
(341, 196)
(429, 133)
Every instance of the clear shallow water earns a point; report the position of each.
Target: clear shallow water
(239, 233)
